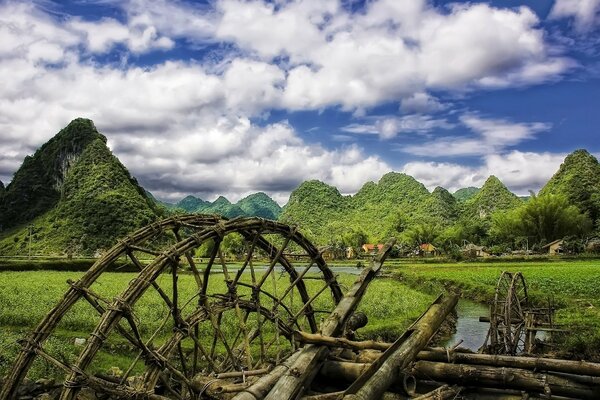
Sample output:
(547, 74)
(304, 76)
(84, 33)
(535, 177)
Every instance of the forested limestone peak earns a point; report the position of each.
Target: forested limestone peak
(221, 201)
(578, 178)
(465, 194)
(191, 203)
(494, 195)
(392, 187)
(315, 191)
(37, 184)
(260, 205)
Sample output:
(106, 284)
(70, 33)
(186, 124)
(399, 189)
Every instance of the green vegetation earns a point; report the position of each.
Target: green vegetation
(397, 206)
(191, 204)
(543, 219)
(492, 197)
(91, 199)
(465, 193)
(578, 178)
(573, 285)
(259, 205)
(36, 187)
(25, 297)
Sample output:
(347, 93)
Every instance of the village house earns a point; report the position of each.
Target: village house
(372, 248)
(427, 249)
(554, 248)
(472, 250)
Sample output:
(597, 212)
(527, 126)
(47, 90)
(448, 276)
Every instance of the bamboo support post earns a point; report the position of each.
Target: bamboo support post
(374, 382)
(306, 365)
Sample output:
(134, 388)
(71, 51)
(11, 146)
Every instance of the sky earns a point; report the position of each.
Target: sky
(231, 97)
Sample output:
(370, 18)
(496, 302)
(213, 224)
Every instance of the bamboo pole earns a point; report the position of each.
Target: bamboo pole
(382, 373)
(260, 388)
(329, 341)
(306, 365)
(529, 363)
(510, 378)
(442, 393)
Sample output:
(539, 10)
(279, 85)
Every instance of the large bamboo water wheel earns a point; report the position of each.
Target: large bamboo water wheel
(209, 319)
(507, 331)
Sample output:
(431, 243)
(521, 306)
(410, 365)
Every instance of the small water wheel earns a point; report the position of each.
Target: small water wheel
(508, 315)
(202, 317)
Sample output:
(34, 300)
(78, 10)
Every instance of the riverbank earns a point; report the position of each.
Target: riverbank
(572, 286)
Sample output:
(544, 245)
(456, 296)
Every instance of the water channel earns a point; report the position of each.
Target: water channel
(468, 328)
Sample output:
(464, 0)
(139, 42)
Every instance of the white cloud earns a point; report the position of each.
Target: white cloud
(388, 127)
(184, 127)
(519, 171)
(421, 102)
(492, 136)
(586, 13)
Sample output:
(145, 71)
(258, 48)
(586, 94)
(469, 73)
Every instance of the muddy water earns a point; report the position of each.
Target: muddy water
(468, 328)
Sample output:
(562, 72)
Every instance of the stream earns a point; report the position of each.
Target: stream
(468, 328)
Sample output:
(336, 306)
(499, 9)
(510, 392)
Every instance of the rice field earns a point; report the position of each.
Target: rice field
(26, 297)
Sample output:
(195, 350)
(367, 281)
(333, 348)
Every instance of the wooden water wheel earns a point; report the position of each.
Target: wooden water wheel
(209, 317)
(507, 315)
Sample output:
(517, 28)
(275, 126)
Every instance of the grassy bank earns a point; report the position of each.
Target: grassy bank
(573, 285)
(25, 297)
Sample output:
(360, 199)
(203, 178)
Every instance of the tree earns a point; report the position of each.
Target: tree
(421, 233)
(543, 219)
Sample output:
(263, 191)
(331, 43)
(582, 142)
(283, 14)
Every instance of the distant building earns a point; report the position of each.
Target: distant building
(350, 252)
(372, 248)
(554, 248)
(473, 250)
(427, 249)
(327, 252)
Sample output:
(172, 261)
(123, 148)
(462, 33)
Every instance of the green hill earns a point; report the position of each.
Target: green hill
(89, 199)
(465, 194)
(578, 178)
(223, 207)
(259, 205)
(492, 196)
(378, 210)
(36, 187)
(441, 206)
(191, 204)
(312, 205)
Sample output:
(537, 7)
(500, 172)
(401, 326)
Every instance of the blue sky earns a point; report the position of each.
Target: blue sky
(230, 97)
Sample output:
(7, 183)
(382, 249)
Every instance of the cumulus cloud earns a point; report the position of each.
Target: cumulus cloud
(246, 159)
(185, 126)
(585, 13)
(491, 136)
(519, 171)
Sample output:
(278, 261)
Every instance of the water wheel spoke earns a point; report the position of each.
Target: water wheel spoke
(145, 250)
(190, 261)
(274, 261)
(248, 259)
(155, 285)
(211, 261)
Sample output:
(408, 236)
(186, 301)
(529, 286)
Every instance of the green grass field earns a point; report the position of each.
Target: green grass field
(25, 297)
(573, 285)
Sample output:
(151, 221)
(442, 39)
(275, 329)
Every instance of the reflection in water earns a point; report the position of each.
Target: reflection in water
(468, 328)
